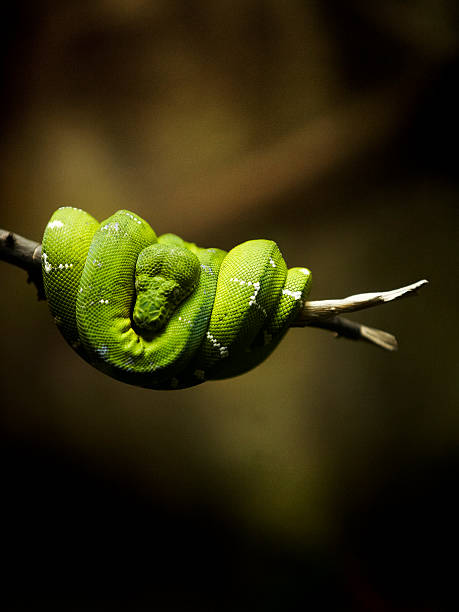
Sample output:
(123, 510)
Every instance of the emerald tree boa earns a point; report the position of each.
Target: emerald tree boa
(160, 312)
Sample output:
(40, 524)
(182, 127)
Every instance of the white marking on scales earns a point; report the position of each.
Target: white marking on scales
(71, 207)
(133, 218)
(294, 294)
(111, 226)
(48, 266)
(223, 349)
(55, 223)
(207, 269)
(253, 298)
(102, 351)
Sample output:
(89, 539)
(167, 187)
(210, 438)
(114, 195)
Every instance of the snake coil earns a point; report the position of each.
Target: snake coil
(160, 312)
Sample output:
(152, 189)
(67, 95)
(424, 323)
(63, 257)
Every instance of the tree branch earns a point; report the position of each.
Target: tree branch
(324, 314)
(26, 254)
(344, 328)
(322, 309)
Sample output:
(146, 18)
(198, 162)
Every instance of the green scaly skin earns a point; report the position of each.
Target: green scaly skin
(160, 312)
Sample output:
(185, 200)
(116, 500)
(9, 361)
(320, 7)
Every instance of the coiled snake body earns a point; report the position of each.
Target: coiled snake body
(160, 312)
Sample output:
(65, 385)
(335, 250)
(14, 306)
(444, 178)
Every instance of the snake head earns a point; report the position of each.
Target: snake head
(165, 276)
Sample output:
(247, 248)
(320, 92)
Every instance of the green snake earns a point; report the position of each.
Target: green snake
(162, 313)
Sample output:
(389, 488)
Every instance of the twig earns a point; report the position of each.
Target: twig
(26, 254)
(323, 314)
(322, 309)
(344, 328)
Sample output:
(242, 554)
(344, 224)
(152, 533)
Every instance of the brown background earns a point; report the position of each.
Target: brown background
(323, 479)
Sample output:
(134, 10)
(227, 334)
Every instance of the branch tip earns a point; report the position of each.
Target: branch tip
(320, 309)
(324, 315)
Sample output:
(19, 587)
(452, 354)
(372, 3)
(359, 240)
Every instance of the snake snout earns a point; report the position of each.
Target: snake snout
(154, 303)
(165, 276)
(157, 299)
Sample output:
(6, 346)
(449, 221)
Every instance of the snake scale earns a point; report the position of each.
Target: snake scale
(162, 313)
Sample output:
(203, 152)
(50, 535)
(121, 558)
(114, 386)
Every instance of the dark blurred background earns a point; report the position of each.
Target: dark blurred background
(325, 478)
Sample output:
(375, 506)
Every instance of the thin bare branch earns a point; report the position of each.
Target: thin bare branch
(323, 309)
(25, 254)
(324, 314)
(344, 328)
